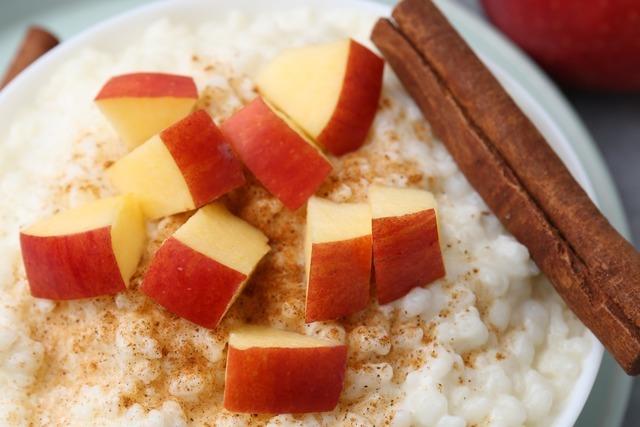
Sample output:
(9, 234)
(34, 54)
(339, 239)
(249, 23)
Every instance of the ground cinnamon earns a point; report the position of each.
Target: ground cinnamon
(36, 42)
(518, 175)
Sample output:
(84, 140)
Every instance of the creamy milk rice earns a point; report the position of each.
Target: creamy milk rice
(491, 344)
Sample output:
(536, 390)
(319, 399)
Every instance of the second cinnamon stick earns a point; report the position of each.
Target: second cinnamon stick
(36, 42)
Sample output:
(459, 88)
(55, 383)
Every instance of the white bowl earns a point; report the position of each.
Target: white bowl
(114, 33)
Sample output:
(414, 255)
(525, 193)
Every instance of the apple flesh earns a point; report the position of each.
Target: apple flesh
(406, 243)
(281, 158)
(85, 252)
(338, 259)
(274, 371)
(595, 45)
(187, 166)
(199, 272)
(331, 91)
(139, 105)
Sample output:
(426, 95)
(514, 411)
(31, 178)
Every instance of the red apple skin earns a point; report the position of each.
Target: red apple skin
(288, 166)
(148, 85)
(205, 159)
(191, 285)
(284, 380)
(406, 254)
(74, 266)
(358, 102)
(339, 279)
(594, 44)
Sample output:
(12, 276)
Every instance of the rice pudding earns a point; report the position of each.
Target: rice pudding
(490, 344)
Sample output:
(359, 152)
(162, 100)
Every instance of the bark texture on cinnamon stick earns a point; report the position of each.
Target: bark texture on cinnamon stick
(509, 163)
(36, 42)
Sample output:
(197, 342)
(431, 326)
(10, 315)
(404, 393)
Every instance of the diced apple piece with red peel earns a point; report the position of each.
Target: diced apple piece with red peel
(152, 174)
(331, 91)
(140, 105)
(199, 272)
(338, 259)
(406, 244)
(206, 160)
(274, 371)
(88, 251)
(282, 159)
(187, 166)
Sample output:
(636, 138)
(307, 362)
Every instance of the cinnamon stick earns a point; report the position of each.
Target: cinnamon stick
(36, 42)
(509, 163)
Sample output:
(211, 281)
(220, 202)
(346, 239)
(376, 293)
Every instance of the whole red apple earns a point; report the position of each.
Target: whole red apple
(592, 44)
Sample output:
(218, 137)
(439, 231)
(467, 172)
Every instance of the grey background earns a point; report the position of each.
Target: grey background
(614, 122)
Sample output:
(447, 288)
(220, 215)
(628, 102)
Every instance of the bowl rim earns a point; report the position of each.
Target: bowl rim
(106, 33)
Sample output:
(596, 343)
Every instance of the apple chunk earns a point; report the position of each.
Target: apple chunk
(282, 159)
(331, 91)
(139, 105)
(275, 371)
(187, 166)
(406, 244)
(199, 271)
(338, 259)
(84, 252)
